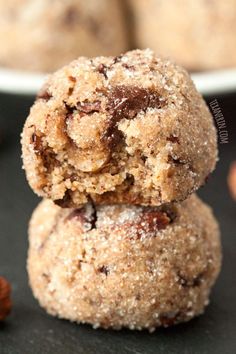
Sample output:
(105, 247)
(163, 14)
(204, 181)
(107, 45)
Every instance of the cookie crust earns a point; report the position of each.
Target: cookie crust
(130, 129)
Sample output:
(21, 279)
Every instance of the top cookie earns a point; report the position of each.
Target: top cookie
(131, 129)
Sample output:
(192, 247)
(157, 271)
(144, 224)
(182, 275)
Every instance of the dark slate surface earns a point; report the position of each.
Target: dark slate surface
(30, 330)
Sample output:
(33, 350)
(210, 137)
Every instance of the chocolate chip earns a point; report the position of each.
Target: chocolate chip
(49, 159)
(193, 282)
(65, 202)
(104, 269)
(73, 177)
(128, 66)
(72, 78)
(176, 161)
(156, 220)
(37, 143)
(46, 277)
(127, 102)
(173, 139)
(102, 69)
(68, 115)
(70, 91)
(169, 319)
(129, 179)
(83, 108)
(143, 158)
(89, 107)
(43, 94)
(149, 223)
(69, 110)
(117, 59)
(197, 281)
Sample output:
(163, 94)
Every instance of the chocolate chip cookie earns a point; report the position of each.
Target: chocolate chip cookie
(200, 35)
(42, 35)
(129, 129)
(124, 266)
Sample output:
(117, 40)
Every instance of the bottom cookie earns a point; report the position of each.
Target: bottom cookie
(124, 266)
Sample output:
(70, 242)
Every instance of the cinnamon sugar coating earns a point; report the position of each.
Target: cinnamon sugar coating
(129, 129)
(124, 266)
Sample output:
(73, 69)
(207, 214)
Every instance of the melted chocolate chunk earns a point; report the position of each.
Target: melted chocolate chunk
(130, 179)
(87, 107)
(83, 108)
(49, 159)
(104, 269)
(102, 69)
(173, 139)
(175, 160)
(72, 78)
(117, 59)
(37, 143)
(128, 67)
(143, 158)
(70, 91)
(69, 110)
(127, 102)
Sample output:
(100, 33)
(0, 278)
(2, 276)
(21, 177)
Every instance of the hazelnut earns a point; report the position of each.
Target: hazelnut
(5, 301)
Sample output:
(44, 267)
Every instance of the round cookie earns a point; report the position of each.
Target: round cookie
(124, 266)
(42, 35)
(130, 129)
(200, 35)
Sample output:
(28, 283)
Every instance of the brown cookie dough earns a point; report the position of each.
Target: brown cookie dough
(199, 35)
(42, 35)
(124, 266)
(130, 129)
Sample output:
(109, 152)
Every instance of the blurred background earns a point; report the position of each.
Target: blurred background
(38, 37)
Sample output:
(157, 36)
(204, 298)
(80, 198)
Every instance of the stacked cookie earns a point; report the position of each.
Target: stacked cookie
(116, 145)
(55, 32)
(200, 35)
